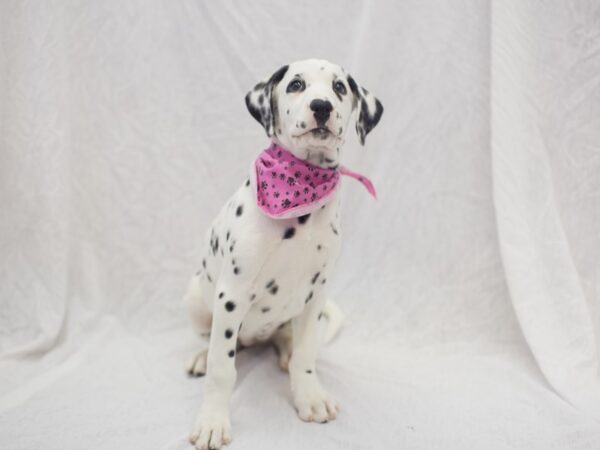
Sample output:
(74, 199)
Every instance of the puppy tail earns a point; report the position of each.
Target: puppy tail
(335, 317)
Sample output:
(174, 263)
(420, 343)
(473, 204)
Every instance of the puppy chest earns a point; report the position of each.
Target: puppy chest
(290, 279)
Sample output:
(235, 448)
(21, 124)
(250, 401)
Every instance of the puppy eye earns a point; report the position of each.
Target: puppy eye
(295, 86)
(339, 87)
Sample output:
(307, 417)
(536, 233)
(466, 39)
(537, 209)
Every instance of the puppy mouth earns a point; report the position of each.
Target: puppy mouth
(319, 132)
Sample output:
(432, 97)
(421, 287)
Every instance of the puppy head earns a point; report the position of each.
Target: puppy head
(307, 105)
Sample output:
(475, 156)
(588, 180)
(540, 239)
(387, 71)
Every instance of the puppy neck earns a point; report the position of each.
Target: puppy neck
(322, 156)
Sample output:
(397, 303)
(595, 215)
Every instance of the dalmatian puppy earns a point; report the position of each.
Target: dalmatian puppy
(271, 249)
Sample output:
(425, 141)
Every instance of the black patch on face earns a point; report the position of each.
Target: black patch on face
(315, 278)
(231, 353)
(229, 306)
(239, 210)
(274, 290)
(289, 233)
(236, 270)
(302, 219)
(228, 333)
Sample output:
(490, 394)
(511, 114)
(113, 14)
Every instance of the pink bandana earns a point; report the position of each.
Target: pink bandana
(288, 187)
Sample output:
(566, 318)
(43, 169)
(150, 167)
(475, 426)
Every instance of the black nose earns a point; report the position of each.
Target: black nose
(322, 109)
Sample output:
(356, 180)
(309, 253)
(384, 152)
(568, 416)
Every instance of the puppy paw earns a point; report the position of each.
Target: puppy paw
(315, 405)
(211, 431)
(196, 365)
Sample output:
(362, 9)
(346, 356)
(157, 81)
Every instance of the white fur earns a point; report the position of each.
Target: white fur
(276, 284)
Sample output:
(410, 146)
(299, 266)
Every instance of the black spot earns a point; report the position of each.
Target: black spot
(288, 111)
(231, 248)
(315, 278)
(274, 290)
(227, 235)
(289, 233)
(231, 353)
(228, 333)
(229, 306)
(209, 278)
(270, 283)
(204, 263)
(308, 371)
(261, 99)
(310, 296)
(335, 231)
(302, 125)
(236, 270)
(302, 219)
(198, 272)
(324, 281)
(252, 297)
(247, 182)
(319, 247)
(233, 261)
(221, 294)
(239, 210)
(320, 316)
(266, 309)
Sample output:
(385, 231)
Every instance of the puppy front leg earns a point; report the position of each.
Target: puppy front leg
(312, 402)
(212, 428)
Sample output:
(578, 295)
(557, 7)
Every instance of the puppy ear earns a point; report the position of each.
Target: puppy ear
(259, 101)
(369, 109)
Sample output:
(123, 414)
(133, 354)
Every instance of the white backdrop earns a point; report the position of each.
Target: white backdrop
(471, 287)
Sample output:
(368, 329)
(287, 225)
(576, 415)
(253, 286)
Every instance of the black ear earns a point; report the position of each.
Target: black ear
(369, 110)
(260, 100)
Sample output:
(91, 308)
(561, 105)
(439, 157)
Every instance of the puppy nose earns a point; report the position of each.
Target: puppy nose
(322, 109)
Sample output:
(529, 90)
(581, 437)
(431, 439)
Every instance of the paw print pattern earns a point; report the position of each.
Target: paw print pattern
(285, 182)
